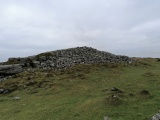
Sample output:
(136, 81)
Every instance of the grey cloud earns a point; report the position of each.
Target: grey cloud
(129, 27)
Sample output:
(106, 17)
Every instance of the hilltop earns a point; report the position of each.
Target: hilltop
(60, 59)
(69, 57)
(120, 87)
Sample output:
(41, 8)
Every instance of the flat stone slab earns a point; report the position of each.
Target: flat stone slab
(10, 69)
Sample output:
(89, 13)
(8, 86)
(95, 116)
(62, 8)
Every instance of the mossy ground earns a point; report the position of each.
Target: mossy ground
(84, 92)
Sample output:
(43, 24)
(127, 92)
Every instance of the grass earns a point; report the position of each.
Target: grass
(84, 92)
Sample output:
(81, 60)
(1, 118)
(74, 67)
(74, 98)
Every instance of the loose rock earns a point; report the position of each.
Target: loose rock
(16, 98)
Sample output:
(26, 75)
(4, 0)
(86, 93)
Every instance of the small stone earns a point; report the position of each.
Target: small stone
(16, 98)
(116, 90)
(106, 118)
(2, 90)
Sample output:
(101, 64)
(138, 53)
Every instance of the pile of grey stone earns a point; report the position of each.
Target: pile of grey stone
(70, 57)
(60, 59)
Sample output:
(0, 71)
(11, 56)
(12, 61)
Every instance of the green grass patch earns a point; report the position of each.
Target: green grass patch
(85, 92)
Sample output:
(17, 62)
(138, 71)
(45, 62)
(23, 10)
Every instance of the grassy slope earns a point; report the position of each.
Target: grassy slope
(83, 92)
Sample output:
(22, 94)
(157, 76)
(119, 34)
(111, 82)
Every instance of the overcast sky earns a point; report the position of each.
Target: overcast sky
(124, 27)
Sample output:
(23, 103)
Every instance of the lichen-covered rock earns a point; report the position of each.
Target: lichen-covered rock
(10, 69)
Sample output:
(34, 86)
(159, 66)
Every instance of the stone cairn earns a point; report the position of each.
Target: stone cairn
(70, 57)
(60, 59)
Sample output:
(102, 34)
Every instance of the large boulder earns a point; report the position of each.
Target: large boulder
(10, 69)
